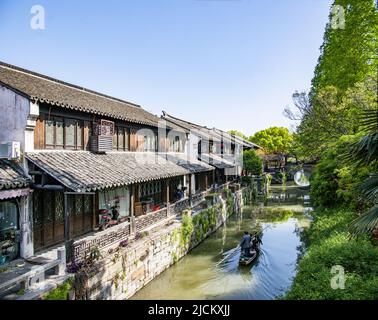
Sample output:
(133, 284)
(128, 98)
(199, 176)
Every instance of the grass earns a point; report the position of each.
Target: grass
(329, 244)
(60, 292)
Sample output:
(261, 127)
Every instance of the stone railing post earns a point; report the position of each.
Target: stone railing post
(61, 267)
(132, 225)
(168, 209)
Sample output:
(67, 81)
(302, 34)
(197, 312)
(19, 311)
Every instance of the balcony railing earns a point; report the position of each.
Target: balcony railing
(80, 249)
(179, 206)
(115, 234)
(151, 218)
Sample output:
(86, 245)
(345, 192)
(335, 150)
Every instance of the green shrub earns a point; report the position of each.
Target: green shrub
(334, 183)
(187, 228)
(252, 163)
(329, 245)
(60, 292)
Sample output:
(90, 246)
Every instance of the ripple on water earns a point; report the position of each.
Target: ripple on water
(212, 271)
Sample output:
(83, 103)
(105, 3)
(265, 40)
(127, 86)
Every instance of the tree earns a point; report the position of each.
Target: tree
(252, 163)
(326, 117)
(365, 152)
(238, 133)
(348, 54)
(274, 140)
(344, 80)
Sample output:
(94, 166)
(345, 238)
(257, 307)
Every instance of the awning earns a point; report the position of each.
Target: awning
(216, 161)
(191, 164)
(86, 171)
(12, 175)
(13, 193)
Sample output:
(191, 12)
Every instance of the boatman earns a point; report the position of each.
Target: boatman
(245, 244)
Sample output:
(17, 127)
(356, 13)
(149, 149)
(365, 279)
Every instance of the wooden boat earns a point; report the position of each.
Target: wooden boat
(245, 261)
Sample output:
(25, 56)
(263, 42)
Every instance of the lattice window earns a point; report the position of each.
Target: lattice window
(87, 205)
(150, 188)
(48, 207)
(78, 205)
(37, 207)
(59, 207)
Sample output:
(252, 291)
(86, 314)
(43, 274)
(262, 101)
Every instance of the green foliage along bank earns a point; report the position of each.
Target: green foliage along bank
(329, 245)
(61, 292)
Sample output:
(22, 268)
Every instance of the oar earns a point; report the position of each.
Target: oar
(229, 255)
(238, 247)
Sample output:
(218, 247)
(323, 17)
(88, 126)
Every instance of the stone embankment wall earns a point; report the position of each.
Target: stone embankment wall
(122, 271)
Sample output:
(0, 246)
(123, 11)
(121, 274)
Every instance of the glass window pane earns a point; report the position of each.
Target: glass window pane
(70, 132)
(8, 216)
(59, 132)
(8, 231)
(50, 132)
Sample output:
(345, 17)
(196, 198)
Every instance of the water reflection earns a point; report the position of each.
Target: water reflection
(212, 271)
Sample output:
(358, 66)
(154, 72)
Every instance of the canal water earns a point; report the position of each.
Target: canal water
(212, 271)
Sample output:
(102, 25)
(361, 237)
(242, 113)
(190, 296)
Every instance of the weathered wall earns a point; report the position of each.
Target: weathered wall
(14, 111)
(124, 270)
(17, 121)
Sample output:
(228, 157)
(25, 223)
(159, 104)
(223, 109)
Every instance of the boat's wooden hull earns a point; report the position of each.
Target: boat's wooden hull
(245, 261)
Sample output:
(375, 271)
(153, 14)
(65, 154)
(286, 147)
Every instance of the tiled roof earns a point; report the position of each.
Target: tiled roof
(217, 161)
(236, 138)
(86, 171)
(191, 164)
(12, 175)
(41, 88)
(202, 131)
(214, 133)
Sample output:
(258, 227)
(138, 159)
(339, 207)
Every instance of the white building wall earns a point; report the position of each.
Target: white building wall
(193, 141)
(14, 111)
(17, 122)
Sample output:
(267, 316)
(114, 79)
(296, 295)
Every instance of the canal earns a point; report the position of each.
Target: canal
(211, 270)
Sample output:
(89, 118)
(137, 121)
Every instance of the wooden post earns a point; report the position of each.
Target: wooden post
(132, 201)
(67, 236)
(167, 191)
(95, 205)
(190, 190)
(213, 178)
(206, 181)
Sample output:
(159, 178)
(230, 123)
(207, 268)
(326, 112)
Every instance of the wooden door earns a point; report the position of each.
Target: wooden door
(48, 218)
(81, 207)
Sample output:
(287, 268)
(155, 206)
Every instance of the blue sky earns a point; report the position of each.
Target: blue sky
(232, 64)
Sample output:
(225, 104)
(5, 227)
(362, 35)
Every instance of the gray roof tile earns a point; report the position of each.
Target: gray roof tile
(12, 175)
(191, 164)
(86, 171)
(45, 89)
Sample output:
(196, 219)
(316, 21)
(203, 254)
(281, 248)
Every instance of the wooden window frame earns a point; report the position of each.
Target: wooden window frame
(126, 139)
(79, 124)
